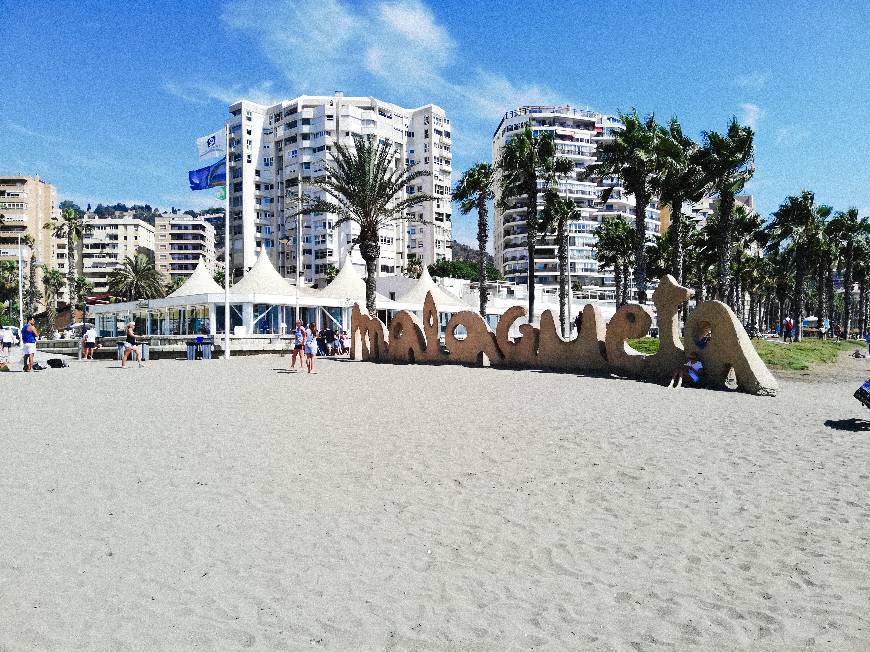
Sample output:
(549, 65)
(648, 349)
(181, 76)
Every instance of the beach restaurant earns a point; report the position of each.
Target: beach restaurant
(262, 302)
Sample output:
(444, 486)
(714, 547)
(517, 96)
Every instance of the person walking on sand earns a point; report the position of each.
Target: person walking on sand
(131, 346)
(89, 342)
(298, 345)
(310, 347)
(29, 335)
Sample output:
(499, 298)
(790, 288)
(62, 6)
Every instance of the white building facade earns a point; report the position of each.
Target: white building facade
(181, 242)
(277, 150)
(577, 135)
(109, 241)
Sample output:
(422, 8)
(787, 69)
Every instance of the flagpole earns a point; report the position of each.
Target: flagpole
(21, 291)
(227, 266)
(298, 238)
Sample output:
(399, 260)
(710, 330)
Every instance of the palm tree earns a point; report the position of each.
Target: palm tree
(528, 166)
(32, 295)
(728, 162)
(8, 283)
(173, 284)
(474, 190)
(614, 248)
(558, 211)
(365, 185)
(681, 180)
(136, 278)
(849, 229)
(72, 226)
(795, 226)
(634, 156)
(747, 234)
(861, 273)
(52, 281)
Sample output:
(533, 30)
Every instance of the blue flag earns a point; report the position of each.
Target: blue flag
(211, 176)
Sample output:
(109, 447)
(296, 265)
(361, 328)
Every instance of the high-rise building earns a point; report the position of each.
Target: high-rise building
(275, 152)
(181, 241)
(577, 134)
(27, 205)
(108, 242)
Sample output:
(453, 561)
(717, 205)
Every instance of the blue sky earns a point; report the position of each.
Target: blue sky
(105, 99)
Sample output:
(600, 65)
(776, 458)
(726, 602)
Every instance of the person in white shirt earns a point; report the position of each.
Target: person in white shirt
(7, 340)
(689, 372)
(89, 342)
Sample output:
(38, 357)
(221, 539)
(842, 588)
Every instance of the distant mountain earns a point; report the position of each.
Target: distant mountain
(465, 252)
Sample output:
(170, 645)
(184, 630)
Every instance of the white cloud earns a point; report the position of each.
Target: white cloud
(203, 92)
(751, 114)
(791, 135)
(752, 80)
(24, 131)
(326, 45)
(491, 94)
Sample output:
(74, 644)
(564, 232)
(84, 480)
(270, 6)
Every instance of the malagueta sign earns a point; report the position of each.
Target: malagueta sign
(597, 349)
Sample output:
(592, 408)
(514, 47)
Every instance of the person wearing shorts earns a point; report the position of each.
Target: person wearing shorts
(89, 342)
(131, 346)
(7, 339)
(298, 345)
(310, 347)
(29, 335)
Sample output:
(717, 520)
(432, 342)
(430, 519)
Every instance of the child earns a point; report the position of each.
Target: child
(310, 347)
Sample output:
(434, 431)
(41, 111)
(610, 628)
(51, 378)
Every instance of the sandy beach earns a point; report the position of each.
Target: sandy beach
(227, 505)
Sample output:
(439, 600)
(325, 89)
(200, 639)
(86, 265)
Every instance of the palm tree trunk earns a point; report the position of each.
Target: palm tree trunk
(617, 277)
(370, 250)
(753, 307)
(562, 243)
(677, 226)
(862, 307)
(70, 276)
(641, 203)
(829, 289)
(31, 284)
(799, 276)
(531, 241)
(625, 282)
(726, 226)
(482, 234)
(820, 298)
(847, 288)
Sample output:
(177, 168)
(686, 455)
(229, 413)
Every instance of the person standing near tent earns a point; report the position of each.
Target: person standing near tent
(310, 347)
(298, 345)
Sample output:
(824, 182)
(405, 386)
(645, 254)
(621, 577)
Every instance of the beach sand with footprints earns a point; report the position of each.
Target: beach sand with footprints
(224, 505)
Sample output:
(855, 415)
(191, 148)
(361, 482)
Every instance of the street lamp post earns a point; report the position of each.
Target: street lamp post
(20, 289)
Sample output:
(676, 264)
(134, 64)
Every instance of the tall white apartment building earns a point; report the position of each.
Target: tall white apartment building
(577, 135)
(110, 240)
(278, 149)
(28, 205)
(181, 241)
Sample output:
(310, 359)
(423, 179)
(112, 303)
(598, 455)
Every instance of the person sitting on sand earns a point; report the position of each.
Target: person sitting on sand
(690, 372)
